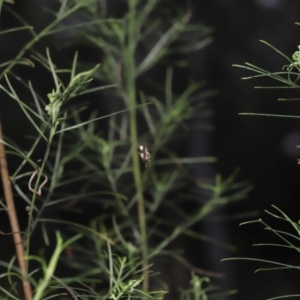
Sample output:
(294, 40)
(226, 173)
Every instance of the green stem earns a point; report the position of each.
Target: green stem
(130, 75)
(53, 180)
(30, 219)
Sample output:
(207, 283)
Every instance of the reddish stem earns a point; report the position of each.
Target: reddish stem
(13, 219)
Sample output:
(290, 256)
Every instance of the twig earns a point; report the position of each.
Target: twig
(66, 287)
(201, 271)
(13, 219)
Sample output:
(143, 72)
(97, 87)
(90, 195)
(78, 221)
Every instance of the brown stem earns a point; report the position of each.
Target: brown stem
(13, 219)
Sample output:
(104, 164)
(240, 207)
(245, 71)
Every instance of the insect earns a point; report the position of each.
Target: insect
(145, 155)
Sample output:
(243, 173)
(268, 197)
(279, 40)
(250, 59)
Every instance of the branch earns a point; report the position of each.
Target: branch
(13, 219)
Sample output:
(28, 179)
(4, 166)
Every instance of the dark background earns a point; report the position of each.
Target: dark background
(263, 148)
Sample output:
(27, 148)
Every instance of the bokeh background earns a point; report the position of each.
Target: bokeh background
(263, 148)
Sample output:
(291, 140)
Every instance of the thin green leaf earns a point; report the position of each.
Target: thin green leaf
(262, 260)
(26, 109)
(15, 29)
(99, 118)
(187, 160)
(284, 297)
(278, 51)
(99, 88)
(270, 115)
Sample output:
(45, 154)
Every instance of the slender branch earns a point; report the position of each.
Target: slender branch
(66, 287)
(130, 70)
(13, 219)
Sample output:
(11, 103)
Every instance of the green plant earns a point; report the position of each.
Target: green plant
(289, 77)
(201, 290)
(288, 239)
(85, 164)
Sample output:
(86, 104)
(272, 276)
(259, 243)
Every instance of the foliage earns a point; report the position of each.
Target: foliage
(84, 165)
